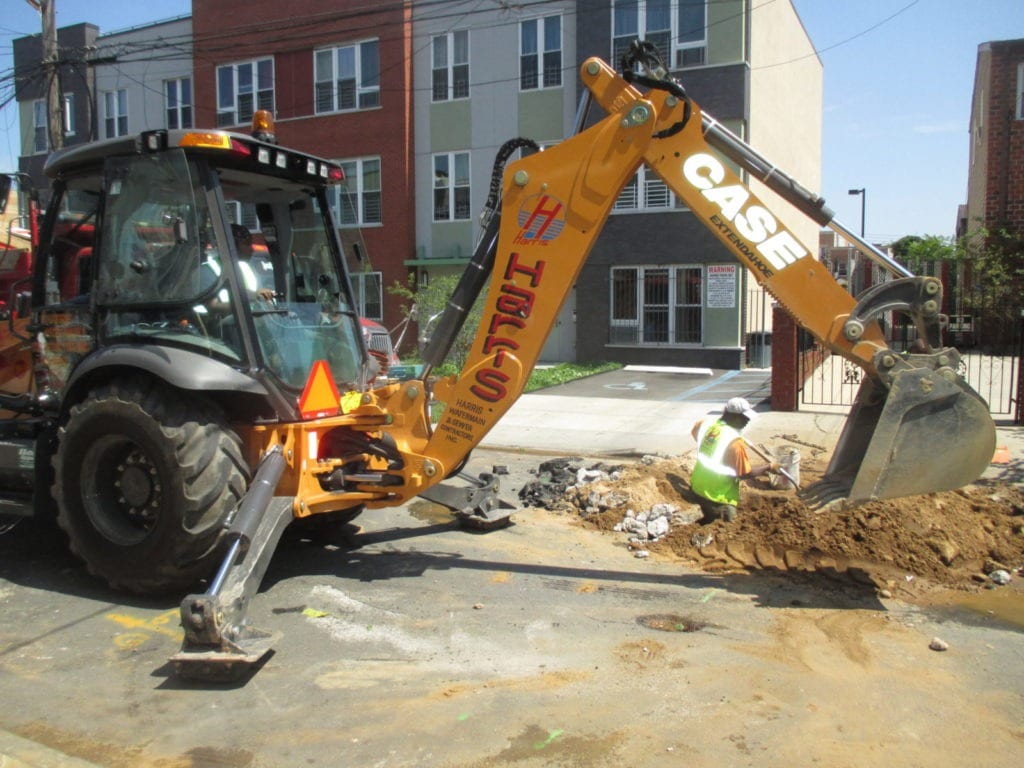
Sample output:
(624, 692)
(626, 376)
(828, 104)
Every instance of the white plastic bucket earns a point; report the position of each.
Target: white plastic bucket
(789, 460)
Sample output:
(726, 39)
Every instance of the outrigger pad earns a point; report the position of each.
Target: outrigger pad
(214, 649)
(476, 506)
(492, 520)
(218, 666)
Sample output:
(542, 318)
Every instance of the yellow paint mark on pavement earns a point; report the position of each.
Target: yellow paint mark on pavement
(164, 624)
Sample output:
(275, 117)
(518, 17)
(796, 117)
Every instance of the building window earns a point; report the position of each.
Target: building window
(656, 305)
(677, 27)
(41, 125)
(178, 102)
(40, 129)
(647, 192)
(347, 77)
(691, 41)
(115, 113)
(540, 53)
(451, 66)
(243, 88)
(451, 186)
(368, 288)
(358, 201)
(1020, 92)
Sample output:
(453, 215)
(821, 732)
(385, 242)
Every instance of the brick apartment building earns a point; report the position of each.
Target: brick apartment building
(337, 74)
(995, 182)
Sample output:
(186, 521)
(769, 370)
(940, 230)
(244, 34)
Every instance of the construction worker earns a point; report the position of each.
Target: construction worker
(722, 461)
(256, 267)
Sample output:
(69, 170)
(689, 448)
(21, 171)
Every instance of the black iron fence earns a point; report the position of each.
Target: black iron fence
(988, 334)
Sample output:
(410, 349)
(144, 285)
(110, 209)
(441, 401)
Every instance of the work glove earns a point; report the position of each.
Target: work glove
(774, 467)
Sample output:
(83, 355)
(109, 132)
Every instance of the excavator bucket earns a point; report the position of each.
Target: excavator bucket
(928, 431)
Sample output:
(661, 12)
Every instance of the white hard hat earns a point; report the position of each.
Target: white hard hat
(739, 405)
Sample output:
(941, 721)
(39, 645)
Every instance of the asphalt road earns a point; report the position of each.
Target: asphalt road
(411, 642)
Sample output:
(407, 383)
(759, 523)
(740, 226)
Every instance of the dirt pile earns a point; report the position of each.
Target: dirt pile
(956, 539)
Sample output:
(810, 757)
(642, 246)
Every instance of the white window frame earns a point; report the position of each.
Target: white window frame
(1019, 112)
(541, 53)
(251, 75)
(362, 282)
(115, 113)
(450, 185)
(359, 175)
(446, 60)
(630, 331)
(679, 53)
(178, 102)
(69, 114)
(327, 75)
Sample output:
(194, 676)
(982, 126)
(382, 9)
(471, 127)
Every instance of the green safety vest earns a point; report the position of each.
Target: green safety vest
(711, 478)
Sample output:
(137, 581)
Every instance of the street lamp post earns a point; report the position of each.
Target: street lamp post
(863, 200)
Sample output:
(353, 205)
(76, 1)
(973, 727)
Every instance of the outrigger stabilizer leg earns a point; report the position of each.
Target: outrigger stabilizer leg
(219, 643)
(476, 505)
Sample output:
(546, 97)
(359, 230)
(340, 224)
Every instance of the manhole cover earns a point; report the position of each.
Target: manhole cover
(670, 622)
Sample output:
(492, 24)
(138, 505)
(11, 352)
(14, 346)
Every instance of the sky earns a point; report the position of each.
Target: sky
(898, 78)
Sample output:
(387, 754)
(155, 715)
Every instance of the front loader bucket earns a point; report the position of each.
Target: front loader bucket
(927, 433)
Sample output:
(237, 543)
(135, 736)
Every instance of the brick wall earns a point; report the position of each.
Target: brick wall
(1004, 196)
(791, 366)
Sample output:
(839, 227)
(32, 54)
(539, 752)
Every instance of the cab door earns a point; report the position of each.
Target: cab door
(64, 278)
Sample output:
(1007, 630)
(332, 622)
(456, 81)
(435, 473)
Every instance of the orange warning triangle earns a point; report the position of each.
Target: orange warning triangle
(320, 397)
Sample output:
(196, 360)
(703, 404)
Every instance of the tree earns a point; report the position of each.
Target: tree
(983, 277)
(919, 254)
(994, 282)
(425, 305)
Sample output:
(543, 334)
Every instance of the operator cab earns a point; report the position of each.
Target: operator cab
(214, 243)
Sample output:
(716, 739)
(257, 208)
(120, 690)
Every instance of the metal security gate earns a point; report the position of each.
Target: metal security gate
(991, 345)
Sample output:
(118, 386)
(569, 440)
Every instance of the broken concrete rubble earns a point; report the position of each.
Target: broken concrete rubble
(563, 483)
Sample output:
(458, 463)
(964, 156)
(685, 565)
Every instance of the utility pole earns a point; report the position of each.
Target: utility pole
(54, 103)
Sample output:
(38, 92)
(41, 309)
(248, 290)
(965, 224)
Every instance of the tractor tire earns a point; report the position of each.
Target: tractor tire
(145, 477)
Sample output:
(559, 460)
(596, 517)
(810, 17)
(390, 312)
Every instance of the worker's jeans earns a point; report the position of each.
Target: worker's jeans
(714, 510)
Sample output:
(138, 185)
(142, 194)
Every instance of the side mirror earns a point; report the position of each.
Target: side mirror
(5, 191)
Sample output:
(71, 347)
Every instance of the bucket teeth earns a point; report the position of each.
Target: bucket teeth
(826, 492)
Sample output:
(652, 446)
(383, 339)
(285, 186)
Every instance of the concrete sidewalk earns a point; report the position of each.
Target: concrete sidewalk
(616, 426)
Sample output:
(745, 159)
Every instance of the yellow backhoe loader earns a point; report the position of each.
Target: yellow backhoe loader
(178, 416)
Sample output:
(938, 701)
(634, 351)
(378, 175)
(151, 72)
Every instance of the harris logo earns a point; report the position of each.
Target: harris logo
(541, 219)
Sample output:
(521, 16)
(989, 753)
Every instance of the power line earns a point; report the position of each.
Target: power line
(819, 51)
(187, 47)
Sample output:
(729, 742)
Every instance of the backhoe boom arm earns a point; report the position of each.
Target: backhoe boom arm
(553, 207)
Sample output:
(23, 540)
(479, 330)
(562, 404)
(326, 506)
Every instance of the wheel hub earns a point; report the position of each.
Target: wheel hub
(137, 485)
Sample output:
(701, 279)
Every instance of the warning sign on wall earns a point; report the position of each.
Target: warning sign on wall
(721, 286)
